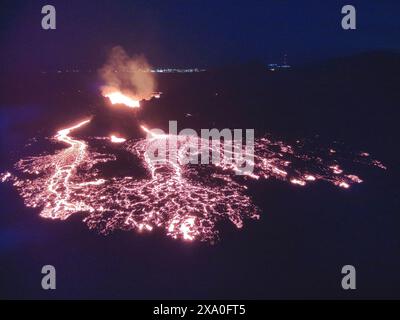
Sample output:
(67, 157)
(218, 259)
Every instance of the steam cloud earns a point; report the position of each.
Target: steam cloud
(128, 75)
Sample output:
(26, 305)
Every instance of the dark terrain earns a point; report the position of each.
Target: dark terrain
(305, 235)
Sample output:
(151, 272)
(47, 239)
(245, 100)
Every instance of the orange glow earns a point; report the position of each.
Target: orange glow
(119, 98)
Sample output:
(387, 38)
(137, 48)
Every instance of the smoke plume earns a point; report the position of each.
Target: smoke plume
(126, 75)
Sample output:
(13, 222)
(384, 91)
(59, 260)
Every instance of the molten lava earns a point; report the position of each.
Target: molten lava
(186, 201)
(120, 98)
(115, 139)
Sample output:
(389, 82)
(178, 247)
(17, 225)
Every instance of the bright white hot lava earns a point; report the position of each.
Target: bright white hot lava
(185, 200)
(120, 98)
(115, 139)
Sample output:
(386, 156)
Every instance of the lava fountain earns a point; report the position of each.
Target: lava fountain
(120, 98)
(126, 80)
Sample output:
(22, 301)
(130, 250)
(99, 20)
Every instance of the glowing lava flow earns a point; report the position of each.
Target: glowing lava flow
(115, 139)
(185, 200)
(59, 183)
(120, 98)
(52, 179)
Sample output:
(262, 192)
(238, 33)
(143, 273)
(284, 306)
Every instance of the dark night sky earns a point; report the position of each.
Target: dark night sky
(193, 33)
